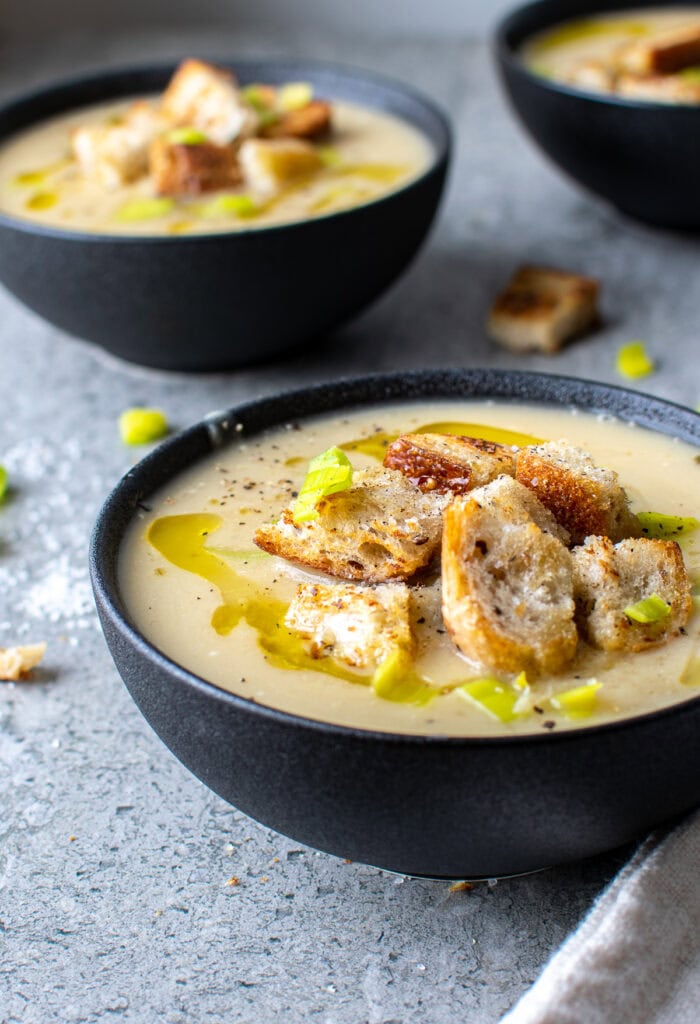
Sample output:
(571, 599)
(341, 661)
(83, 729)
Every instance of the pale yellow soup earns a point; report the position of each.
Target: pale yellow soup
(369, 154)
(557, 52)
(250, 481)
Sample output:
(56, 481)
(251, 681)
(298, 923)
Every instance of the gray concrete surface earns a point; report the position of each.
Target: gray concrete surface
(114, 861)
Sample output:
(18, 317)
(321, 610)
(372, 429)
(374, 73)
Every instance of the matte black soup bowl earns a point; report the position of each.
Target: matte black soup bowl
(640, 156)
(260, 291)
(430, 806)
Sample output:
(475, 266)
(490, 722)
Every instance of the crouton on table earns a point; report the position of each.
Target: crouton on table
(608, 578)
(447, 463)
(17, 662)
(357, 625)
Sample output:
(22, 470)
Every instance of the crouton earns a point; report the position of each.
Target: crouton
(270, 164)
(202, 96)
(116, 154)
(659, 88)
(665, 54)
(582, 497)
(184, 169)
(17, 662)
(307, 122)
(608, 578)
(596, 75)
(381, 528)
(447, 463)
(357, 625)
(507, 585)
(542, 309)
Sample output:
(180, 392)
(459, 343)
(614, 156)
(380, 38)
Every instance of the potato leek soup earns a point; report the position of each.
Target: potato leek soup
(646, 53)
(207, 156)
(369, 646)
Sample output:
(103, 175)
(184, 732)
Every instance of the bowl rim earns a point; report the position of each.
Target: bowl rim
(508, 56)
(117, 502)
(440, 157)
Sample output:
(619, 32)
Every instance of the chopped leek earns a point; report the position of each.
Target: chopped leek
(492, 696)
(145, 209)
(237, 205)
(186, 137)
(260, 97)
(295, 95)
(633, 361)
(521, 681)
(649, 609)
(141, 426)
(328, 473)
(579, 702)
(3, 483)
(663, 527)
(394, 679)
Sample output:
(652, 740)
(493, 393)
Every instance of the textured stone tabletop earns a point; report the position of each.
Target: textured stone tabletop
(114, 860)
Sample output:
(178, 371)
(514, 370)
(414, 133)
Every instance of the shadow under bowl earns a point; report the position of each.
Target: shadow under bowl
(640, 156)
(218, 301)
(420, 805)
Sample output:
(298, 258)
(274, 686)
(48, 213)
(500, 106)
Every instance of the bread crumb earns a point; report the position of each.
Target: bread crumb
(233, 880)
(461, 887)
(17, 662)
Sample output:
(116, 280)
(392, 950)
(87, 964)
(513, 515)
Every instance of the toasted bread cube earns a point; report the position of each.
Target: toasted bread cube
(659, 88)
(309, 122)
(270, 164)
(584, 498)
(202, 96)
(357, 625)
(446, 463)
(381, 528)
(17, 662)
(665, 54)
(507, 585)
(542, 309)
(596, 75)
(116, 154)
(181, 169)
(610, 577)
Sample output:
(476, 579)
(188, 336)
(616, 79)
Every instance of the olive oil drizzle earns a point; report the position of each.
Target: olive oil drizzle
(376, 444)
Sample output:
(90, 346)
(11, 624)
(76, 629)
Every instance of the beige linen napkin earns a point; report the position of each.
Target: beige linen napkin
(635, 959)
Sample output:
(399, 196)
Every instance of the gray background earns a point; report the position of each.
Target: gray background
(113, 859)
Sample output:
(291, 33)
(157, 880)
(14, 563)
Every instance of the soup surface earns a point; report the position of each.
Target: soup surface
(370, 154)
(625, 52)
(181, 584)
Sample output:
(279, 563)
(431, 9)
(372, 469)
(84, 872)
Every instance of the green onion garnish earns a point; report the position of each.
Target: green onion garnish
(579, 702)
(394, 679)
(663, 527)
(186, 137)
(141, 426)
(497, 699)
(633, 361)
(327, 474)
(231, 205)
(3, 483)
(649, 609)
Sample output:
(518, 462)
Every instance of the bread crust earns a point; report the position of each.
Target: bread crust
(180, 169)
(445, 463)
(670, 52)
(309, 122)
(200, 95)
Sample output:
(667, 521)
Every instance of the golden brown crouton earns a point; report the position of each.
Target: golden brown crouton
(596, 75)
(202, 96)
(542, 309)
(270, 164)
(357, 625)
(181, 169)
(664, 54)
(309, 122)
(507, 586)
(117, 153)
(608, 578)
(659, 88)
(17, 662)
(446, 463)
(382, 528)
(582, 497)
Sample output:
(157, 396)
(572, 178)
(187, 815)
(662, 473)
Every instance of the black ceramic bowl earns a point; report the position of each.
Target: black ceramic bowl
(419, 805)
(641, 156)
(218, 301)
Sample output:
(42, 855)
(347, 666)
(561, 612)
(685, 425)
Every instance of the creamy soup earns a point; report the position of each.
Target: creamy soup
(646, 53)
(369, 154)
(189, 558)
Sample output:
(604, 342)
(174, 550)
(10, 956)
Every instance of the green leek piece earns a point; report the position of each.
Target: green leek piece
(327, 474)
(227, 205)
(633, 361)
(186, 137)
(41, 201)
(691, 75)
(145, 209)
(521, 681)
(141, 426)
(579, 702)
(3, 483)
(662, 527)
(492, 696)
(649, 609)
(396, 680)
(295, 95)
(259, 98)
